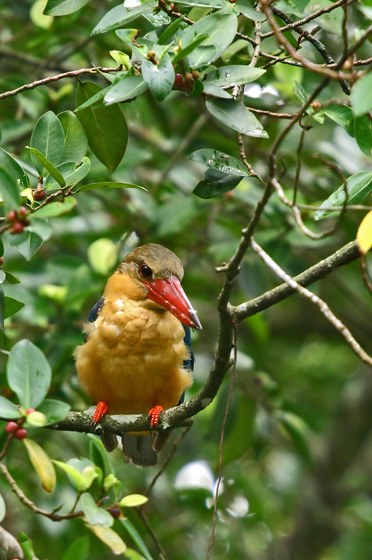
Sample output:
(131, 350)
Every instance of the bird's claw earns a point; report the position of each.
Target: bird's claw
(101, 409)
(154, 415)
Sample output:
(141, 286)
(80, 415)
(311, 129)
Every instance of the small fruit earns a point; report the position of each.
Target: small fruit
(189, 77)
(115, 511)
(21, 433)
(23, 211)
(11, 427)
(38, 194)
(12, 216)
(151, 54)
(196, 75)
(178, 81)
(1, 260)
(29, 410)
(17, 227)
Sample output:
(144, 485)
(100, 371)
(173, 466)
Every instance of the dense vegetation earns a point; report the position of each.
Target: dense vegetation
(239, 135)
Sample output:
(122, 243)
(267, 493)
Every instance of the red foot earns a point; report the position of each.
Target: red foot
(101, 409)
(154, 414)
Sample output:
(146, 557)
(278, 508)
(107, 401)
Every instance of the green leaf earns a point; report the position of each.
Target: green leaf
(159, 77)
(128, 88)
(27, 243)
(48, 138)
(363, 134)
(27, 546)
(220, 29)
(342, 115)
(136, 538)
(76, 142)
(12, 306)
(105, 127)
(133, 500)
(359, 186)
(202, 3)
(2, 315)
(29, 374)
(81, 473)
(216, 91)
(298, 430)
(234, 75)
(210, 188)
(94, 99)
(71, 172)
(109, 185)
(361, 95)
(42, 464)
(2, 508)
(219, 160)
(54, 209)
(187, 50)
(103, 255)
(93, 513)
(99, 455)
(8, 410)
(118, 17)
(49, 166)
(54, 410)
(78, 549)
(11, 166)
(10, 191)
(63, 7)
(246, 8)
(236, 116)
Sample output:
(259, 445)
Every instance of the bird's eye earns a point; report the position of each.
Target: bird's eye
(145, 271)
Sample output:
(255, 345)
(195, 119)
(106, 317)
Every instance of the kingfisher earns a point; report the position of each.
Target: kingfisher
(137, 356)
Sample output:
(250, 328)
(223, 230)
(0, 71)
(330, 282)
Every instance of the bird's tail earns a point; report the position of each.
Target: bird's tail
(143, 450)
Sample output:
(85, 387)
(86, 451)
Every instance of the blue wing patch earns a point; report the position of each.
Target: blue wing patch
(94, 312)
(189, 363)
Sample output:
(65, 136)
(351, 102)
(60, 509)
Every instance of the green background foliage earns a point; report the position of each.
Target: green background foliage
(149, 151)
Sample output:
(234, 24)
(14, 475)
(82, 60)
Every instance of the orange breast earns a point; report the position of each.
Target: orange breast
(134, 354)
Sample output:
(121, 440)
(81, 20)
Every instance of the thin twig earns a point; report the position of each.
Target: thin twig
(222, 436)
(28, 503)
(157, 543)
(167, 460)
(50, 79)
(324, 309)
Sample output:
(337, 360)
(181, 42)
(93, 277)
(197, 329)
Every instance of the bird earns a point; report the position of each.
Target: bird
(137, 356)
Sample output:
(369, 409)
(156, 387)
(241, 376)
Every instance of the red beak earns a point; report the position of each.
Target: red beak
(169, 293)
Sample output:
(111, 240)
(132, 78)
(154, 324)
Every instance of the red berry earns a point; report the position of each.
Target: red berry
(11, 427)
(23, 211)
(21, 433)
(1, 260)
(17, 227)
(29, 410)
(12, 215)
(115, 511)
(38, 194)
(178, 81)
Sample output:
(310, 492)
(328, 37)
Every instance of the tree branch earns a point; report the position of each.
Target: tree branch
(345, 255)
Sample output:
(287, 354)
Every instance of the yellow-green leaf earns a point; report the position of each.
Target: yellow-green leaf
(133, 500)
(102, 255)
(364, 235)
(42, 464)
(81, 481)
(110, 538)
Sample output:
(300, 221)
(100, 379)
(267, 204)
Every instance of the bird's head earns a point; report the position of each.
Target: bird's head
(160, 272)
